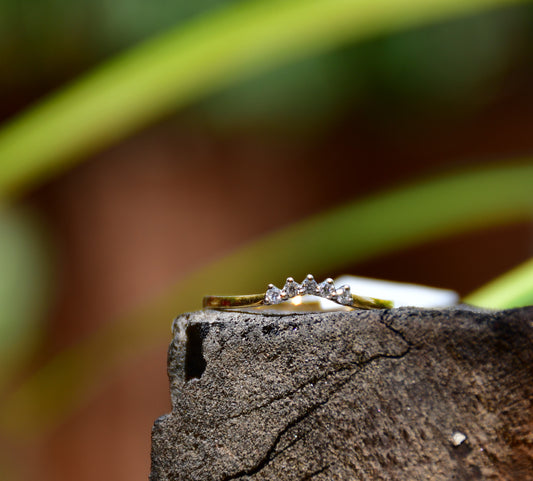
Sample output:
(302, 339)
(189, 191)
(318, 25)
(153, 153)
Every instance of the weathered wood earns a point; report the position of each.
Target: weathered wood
(402, 394)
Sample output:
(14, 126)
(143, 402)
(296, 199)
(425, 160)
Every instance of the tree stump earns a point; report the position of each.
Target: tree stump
(401, 394)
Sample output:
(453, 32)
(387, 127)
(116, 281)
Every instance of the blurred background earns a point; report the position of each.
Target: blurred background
(101, 245)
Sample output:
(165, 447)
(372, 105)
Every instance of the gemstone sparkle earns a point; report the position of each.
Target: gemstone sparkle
(273, 295)
(309, 286)
(344, 296)
(291, 288)
(327, 289)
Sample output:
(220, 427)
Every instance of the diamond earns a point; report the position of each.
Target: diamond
(344, 296)
(327, 289)
(291, 288)
(273, 295)
(309, 286)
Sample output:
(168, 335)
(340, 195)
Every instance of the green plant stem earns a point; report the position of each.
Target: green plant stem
(381, 224)
(513, 289)
(155, 78)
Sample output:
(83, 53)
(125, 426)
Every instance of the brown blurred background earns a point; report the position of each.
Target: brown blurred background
(130, 221)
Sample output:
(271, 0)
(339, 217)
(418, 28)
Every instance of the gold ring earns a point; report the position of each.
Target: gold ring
(309, 286)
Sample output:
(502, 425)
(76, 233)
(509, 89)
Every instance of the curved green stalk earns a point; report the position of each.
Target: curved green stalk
(178, 67)
(391, 221)
(513, 289)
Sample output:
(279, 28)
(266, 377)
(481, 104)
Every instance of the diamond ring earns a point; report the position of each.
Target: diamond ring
(309, 286)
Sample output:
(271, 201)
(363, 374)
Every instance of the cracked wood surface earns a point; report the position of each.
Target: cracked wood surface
(361, 395)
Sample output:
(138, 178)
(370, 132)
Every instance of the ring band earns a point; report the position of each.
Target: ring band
(309, 286)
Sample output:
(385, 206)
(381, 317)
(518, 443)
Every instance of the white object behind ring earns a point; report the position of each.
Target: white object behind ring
(402, 294)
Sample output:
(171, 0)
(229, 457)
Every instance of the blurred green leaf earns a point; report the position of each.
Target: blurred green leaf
(443, 67)
(183, 65)
(459, 60)
(24, 278)
(513, 289)
(301, 95)
(403, 217)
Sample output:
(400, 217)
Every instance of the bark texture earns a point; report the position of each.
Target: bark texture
(401, 394)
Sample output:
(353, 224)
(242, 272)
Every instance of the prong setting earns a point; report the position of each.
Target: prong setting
(309, 286)
(344, 295)
(327, 290)
(290, 289)
(273, 295)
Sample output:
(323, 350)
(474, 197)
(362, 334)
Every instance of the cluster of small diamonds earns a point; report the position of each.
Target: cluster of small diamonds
(309, 286)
